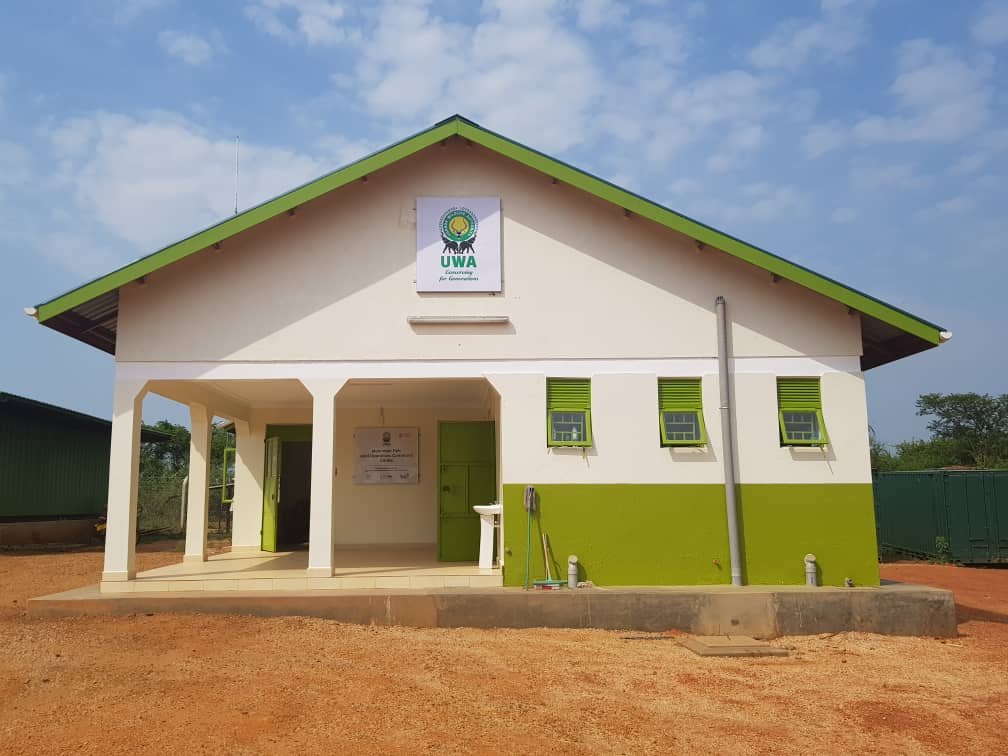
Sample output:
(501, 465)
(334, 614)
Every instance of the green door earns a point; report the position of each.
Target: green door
(271, 494)
(467, 456)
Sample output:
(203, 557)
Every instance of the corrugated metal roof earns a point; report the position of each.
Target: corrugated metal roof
(147, 435)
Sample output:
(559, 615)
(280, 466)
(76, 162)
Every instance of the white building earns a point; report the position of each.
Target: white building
(587, 366)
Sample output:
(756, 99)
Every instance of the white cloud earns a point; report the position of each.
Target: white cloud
(747, 137)
(150, 180)
(823, 138)
(410, 69)
(189, 48)
(684, 186)
(340, 151)
(721, 163)
(837, 32)
(762, 202)
(947, 207)
(969, 164)
(126, 11)
(15, 164)
(317, 22)
(669, 42)
(593, 15)
(895, 176)
(992, 26)
(844, 215)
(940, 97)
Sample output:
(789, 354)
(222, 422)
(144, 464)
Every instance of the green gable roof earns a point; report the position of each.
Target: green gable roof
(90, 312)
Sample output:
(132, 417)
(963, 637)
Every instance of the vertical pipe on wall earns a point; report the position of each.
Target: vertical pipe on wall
(728, 450)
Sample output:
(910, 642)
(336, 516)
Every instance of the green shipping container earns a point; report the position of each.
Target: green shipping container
(54, 462)
(966, 509)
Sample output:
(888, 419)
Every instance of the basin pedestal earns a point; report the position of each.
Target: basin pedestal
(487, 513)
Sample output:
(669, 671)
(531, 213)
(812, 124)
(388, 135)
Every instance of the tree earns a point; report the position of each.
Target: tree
(974, 425)
(171, 455)
(881, 458)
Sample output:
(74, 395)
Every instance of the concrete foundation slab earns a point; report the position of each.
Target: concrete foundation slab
(755, 611)
(45, 532)
(729, 645)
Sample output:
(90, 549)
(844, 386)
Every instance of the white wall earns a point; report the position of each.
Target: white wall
(368, 514)
(336, 282)
(626, 444)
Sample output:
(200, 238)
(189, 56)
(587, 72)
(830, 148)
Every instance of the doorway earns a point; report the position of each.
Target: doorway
(467, 476)
(286, 489)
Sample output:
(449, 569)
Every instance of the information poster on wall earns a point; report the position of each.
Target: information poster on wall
(458, 244)
(387, 455)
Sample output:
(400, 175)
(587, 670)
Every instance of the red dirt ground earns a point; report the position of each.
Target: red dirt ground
(202, 684)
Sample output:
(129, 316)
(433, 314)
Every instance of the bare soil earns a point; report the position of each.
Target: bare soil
(200, 684)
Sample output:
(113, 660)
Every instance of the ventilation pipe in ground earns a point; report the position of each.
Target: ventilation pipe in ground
(728, 445)
(811, 576)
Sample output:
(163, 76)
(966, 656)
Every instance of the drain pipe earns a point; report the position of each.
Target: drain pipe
(728, 445)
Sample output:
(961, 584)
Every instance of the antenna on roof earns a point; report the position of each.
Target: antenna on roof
(236, 175)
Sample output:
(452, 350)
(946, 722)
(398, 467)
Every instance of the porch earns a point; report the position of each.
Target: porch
(366, 484)
(360, 568)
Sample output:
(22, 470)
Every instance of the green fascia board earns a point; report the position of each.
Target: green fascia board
(457, 125)
(702, 233)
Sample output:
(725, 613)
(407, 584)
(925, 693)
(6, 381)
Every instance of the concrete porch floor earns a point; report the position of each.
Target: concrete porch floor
(361, 568)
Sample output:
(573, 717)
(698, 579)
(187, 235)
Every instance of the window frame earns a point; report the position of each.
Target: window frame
(808, 406)
(682, 407)
(568, 406)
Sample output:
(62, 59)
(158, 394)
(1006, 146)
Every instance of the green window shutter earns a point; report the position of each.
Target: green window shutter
(799, 394)
(679, 393)
(568, 393)
(680, 412)
(799, 412)
(568, 412)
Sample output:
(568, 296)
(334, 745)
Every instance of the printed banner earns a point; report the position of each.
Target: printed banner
(387, 455)
(458, 244)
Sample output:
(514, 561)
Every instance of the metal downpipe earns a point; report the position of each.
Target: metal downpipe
(728, 444)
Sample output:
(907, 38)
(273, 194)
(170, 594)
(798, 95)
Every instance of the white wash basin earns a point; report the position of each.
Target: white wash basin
(486, 548)
(488, 509)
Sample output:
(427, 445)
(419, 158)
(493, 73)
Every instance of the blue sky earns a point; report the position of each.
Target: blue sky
(866, 140)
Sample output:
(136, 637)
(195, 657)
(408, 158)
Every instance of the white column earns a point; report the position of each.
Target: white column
(197, 508)
(321, 525)
(246, 525)
(124, 472)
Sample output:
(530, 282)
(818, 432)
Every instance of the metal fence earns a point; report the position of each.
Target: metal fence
(160, 506)
(957, 515)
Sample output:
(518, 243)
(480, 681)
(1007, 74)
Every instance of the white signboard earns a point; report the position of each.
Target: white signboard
(458, 244)
(387, 455)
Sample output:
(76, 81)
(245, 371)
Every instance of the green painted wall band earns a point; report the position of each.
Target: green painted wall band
(630, 534)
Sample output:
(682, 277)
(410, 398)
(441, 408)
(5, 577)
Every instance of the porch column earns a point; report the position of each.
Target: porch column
(124, 472)
(321, 525)
(246, 526)
(197, 508)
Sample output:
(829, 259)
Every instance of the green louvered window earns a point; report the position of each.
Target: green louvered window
(799, 410)
(568, 412)
(680, 412)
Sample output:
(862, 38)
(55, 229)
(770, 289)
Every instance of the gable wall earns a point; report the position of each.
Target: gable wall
(336, 282)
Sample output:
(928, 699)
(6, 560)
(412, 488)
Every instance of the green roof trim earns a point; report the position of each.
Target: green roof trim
(457, 125)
